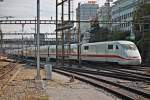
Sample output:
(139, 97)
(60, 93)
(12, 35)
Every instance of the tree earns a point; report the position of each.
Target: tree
(120, 35)
(98, 33)
(141, 21)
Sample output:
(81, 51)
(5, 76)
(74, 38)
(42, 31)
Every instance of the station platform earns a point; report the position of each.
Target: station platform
(23, 86)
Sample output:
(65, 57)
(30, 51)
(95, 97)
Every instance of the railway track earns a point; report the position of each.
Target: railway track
(124, 92)
(115, 74)
(94, 74)
(5, 74)
(113, 71)
(118, 71)
(6, 69)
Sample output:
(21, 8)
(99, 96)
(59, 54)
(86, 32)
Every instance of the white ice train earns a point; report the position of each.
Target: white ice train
(121, 52)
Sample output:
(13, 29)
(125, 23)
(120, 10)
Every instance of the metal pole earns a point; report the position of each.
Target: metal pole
(1, 41)
(26, 50)
(35, 39)
(48, 51)
(18, 49)
(38, 77)
(22, 46)
(142, 29)
(22, 39)
(69, 33)
(62, 20)
(79, 35)
(109, 14)
(56, 33)
(69, 10)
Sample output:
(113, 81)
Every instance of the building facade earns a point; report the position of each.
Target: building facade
(88, 11)
(103, 16)
(122, 15)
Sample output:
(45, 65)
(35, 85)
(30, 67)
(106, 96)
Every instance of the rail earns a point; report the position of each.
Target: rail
(121, 91)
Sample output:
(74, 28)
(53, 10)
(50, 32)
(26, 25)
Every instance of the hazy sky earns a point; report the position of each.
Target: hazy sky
(27, 9)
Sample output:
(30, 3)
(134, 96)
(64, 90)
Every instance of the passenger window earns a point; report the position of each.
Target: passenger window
(117, 47)
(110, 46)
(86, 47)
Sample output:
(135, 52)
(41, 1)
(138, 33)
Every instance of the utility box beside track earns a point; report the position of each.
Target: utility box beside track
(48, 71)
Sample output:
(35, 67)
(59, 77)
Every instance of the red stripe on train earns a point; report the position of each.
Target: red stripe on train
(100, 56)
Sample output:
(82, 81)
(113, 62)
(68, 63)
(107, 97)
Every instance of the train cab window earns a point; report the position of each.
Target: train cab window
(86, 47)
(117, 47)
(110, 46)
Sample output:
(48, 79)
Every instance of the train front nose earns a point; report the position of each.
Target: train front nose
(135, 62)
(134, 58)
(140, 61)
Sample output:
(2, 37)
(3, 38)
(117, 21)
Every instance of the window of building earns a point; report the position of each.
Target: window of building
(121, 25)
(122, 16)
(126, 16)
(132, 13)
(146, 26)
(129, 15)
(125, 24)
(128, 23)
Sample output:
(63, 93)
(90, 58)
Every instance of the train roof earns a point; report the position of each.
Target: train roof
(107, 42)
(94, 43)
(125, 42)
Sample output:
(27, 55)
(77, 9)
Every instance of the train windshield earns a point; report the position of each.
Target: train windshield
(129, 46)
